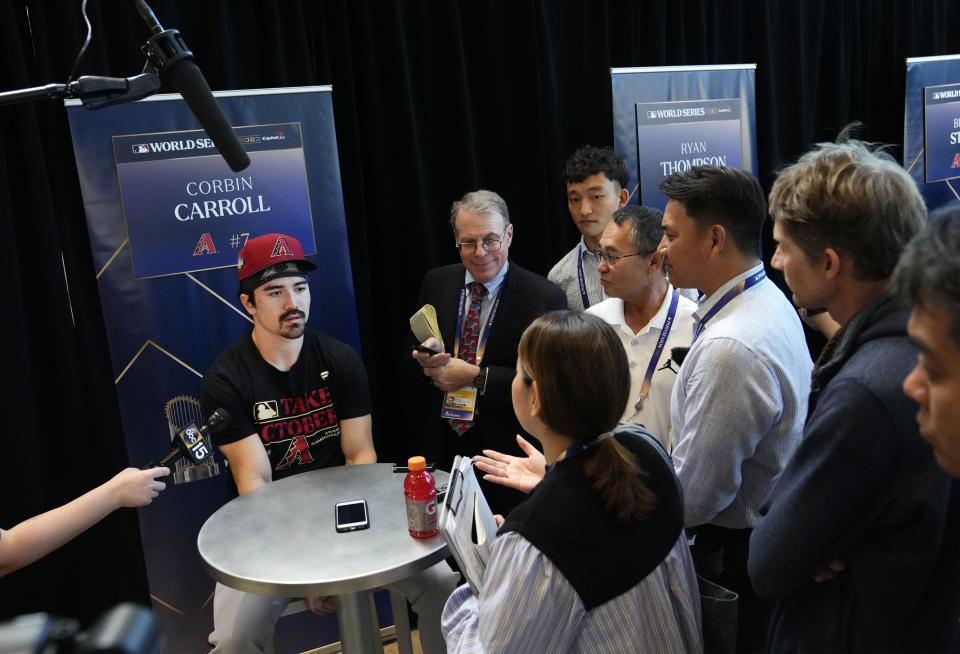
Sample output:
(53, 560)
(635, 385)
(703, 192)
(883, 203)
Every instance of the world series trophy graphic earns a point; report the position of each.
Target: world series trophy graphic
(183, 415)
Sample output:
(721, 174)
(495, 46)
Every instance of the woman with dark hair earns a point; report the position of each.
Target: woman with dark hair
(595, 559)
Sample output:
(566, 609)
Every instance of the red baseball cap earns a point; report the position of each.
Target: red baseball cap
(268, 257)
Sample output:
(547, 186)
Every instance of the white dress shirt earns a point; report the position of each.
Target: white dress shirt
(739, 404)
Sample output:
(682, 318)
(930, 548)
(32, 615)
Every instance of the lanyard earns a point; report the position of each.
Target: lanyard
(482, 344)
(652, 366)
(739, 288)
(580, 278)
(580, 448)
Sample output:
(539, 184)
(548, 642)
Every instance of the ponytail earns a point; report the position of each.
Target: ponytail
(618, 479)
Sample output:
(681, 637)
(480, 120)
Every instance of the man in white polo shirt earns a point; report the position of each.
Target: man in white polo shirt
(647, 312)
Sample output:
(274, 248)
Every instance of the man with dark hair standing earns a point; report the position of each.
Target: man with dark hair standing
(648, 314)
(298, 401)
(738, 405)
(596, 180)
(927, 280)
(483, 305)
(850, 534)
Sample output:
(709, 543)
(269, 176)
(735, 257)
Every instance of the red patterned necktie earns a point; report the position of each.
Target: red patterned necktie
(469, 340)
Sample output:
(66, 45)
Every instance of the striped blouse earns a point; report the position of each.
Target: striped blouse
(526, 605)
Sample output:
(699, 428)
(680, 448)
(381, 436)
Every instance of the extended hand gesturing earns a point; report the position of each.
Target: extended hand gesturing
(521, 473)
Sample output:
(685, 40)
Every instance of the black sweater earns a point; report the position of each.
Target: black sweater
(601, 558)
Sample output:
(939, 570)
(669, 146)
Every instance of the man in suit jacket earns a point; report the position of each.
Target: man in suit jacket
(483, 306)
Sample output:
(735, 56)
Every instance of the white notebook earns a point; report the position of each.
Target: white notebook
(467, 523)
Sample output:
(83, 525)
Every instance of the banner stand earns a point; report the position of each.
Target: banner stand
(931, 127)
(667, 119)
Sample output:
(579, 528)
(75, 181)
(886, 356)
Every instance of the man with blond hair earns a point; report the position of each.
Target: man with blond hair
(848, 541)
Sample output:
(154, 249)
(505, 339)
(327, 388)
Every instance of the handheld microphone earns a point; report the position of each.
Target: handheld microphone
(196, 444)
(168, 52)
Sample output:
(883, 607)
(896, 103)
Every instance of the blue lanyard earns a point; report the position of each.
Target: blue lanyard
(739, 288)
(482, 345)
(652, 366)
(580, 448)
(580, 278)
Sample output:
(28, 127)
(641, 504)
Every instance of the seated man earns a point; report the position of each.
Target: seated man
(298, 401)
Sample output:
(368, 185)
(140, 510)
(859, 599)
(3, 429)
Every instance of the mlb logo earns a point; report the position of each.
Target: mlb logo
(140, 148)
(265, 410)
(651, 114)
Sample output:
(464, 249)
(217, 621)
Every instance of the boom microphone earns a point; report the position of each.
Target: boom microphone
(196, 444)
(167, 50)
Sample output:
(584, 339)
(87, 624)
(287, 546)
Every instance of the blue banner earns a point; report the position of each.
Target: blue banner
(667, 118)
(137, 163)
(186, 210)
(672, 137)
(941, 132)
(931, 135)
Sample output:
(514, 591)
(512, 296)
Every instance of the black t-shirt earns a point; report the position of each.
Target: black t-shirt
(296, 413)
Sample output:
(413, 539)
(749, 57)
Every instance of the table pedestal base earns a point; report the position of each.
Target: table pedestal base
(358, 633)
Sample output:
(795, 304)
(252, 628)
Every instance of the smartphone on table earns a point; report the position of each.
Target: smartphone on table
(352, 515)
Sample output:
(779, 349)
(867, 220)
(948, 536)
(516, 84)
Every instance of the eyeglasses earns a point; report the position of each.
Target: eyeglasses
(611, 259)
(488, 244)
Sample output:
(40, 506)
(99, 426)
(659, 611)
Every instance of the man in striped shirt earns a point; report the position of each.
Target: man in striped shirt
(739, 402)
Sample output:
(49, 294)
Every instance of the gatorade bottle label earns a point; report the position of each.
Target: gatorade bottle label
(422, 515)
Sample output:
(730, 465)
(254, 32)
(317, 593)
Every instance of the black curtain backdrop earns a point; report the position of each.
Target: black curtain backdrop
(432, 99)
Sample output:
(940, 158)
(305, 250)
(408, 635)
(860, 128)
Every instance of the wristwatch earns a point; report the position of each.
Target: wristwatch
(480, 381)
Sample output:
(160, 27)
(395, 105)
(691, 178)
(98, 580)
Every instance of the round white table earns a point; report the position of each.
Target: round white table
(281, 540)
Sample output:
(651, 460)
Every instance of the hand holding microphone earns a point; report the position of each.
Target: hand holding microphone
(196, 444)
(133, 488)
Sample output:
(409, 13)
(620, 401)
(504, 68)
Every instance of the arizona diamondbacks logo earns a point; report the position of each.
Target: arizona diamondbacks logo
(281, 248)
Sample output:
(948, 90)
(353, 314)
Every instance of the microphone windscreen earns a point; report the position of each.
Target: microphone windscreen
(188, 79)
(678, 354)
(218, 420)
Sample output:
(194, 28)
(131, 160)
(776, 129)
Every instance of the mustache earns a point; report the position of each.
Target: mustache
(293, 312)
